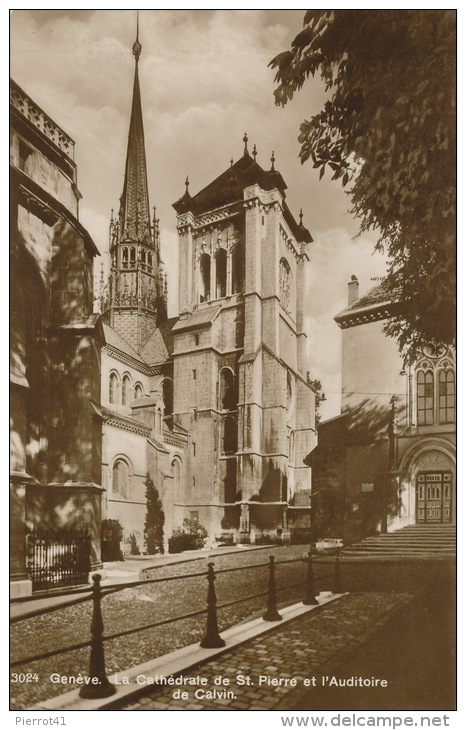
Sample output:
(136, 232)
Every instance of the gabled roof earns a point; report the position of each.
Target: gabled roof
(114, 340)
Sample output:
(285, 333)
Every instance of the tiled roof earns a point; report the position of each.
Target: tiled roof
(114, 340)
(228, 188)
(379, 297)
(200, 318)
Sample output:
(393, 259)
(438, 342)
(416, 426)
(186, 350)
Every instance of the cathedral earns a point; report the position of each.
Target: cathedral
(213, 404)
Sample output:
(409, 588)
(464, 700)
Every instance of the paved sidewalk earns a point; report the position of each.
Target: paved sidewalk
(271, 672)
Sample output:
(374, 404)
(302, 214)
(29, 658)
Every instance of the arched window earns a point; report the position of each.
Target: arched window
(120, 478)
(230, 435)
(204, 275)
(237, 269)
(167, 390)
(149, 260)
(425, 397)
(132, 255)
(228, 399)
(138, 391)
(124, 256)
(176, 471)
(126, 390)
(446, 395)
(221, 273)
(113, 388)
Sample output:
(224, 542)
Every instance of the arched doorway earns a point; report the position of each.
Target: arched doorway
(432, 483)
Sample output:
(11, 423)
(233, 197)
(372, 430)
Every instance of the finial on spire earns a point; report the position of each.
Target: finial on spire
(245, 140)
(254, 152)
(301, 217)
(137, 48)
(231, 162)
(186, 182)
(272, 159)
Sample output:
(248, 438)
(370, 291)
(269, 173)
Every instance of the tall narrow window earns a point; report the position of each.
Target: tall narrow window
(425, 398)
(237, 269)
(204, 273)
(120, 479)
(228, 399)
(138, 391)
(230, 435)
(176, 471)
(125, 391)
(221, 272)
(167, 391)
(446, 396)
(24, 154)
(113, 389)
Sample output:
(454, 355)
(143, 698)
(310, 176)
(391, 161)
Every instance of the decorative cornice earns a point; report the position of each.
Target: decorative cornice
(214, 216)
(36, 206)
(363, 316)
(126, 425)
(34, 114)
(131, 361)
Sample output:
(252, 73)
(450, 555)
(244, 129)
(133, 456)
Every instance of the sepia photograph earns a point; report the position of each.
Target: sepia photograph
(232, 278)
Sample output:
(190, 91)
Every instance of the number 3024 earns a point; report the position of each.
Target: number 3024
(27, 677)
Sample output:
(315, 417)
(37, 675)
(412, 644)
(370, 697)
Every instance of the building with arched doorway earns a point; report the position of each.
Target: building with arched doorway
(389, 459)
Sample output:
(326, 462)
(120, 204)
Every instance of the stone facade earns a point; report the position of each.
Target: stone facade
(224, 415)
(55, 341)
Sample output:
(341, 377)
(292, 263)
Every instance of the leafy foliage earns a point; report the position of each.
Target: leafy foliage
(155, 519)
(316, 387)
(112, 534)
(191, 536)
(134, 549)
(387, 131)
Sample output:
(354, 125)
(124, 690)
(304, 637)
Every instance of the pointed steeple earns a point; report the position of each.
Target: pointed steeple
(135, 301)
(134, 202)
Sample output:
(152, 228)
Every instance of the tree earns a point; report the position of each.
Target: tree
(387, 132)
(155, 519)
(316, 387)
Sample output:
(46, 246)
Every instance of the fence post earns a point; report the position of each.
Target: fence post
(99, 686)
(272, 614)
(212, 638)
(337, 587)
(310, 598)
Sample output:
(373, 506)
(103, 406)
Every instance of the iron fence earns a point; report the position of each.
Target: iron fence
(99, 685)
(58, 558)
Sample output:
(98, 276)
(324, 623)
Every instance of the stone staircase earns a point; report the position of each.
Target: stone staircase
(410, 541)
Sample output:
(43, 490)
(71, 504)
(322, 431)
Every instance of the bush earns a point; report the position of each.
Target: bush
(155, 519)
(191, 536)
(134, 547)
(112, 533)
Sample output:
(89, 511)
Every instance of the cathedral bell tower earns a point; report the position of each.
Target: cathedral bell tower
(134, 302)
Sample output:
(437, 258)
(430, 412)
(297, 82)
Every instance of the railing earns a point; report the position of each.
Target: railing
(58, 558)
(99, 685)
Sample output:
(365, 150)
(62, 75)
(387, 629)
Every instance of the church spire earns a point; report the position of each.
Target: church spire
(134, 202)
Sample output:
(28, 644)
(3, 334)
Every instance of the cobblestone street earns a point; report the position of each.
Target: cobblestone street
(309, 646)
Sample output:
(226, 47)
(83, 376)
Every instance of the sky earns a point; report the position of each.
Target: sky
(205, 81)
